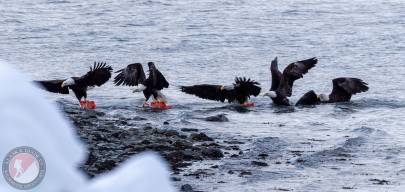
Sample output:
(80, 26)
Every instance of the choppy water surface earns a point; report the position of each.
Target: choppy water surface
(350, 146)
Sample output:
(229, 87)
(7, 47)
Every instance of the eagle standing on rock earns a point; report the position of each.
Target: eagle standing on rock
(134, 75)
(343, 89)
(282, 83)
(99, 74)
(239, 92)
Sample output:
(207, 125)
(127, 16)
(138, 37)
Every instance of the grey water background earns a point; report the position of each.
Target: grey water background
(335, 147)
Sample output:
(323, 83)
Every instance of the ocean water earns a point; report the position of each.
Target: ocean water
(334, 147)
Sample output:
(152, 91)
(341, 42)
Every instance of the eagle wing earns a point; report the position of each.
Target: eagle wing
(132, 75)
(244, 88)
(275, 75)
(156, 80)
(210, 92)
(247, 87)
(54, 86)
(345, 87)
(99, 74)
(295, 71)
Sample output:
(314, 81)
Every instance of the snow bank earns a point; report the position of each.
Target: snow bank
(28, 119)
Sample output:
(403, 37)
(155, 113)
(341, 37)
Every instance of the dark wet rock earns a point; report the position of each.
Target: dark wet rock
(170, 133)
(214, 166)
(297, 153)
(166, 123)
(183, 136)
(379, 182)
(175, 179)
(106, 165)
(200, 137)
(348, 188)
(263, 155)
(211, 144)
(234, 147)
(200, 173)
(186, 188)
(234, 142)
(145, 142)
(189, 130)
(212, 153)
(244, 173)
(182, 144)
(217, 118)
(137, 118)
(259, 163)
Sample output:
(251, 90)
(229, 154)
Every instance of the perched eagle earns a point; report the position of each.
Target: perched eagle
(134, 75)
(343, 89)
(282, 83)
(239, 92)
(99, 74)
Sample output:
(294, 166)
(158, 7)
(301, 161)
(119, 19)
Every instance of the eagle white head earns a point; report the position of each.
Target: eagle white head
(271, 94)
(323, 97)
(68, 82)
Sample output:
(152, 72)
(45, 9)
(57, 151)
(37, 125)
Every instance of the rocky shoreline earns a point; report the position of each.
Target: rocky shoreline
(111, 141)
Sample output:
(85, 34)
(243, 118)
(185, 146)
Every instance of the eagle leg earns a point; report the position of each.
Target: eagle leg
(145, 103)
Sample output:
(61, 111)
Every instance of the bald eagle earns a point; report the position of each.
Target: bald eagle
(343, 89)
(99, 74)
(282, 83)
(239, 92)
(134, 75)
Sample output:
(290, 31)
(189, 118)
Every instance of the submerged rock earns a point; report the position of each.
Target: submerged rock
(217, 118)
(259, 163)
(186, 188)
(189, 130)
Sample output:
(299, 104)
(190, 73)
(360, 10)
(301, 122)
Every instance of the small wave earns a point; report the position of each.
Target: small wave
(58, 2)
(344, 152)
(370, 132)
(273, 146)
